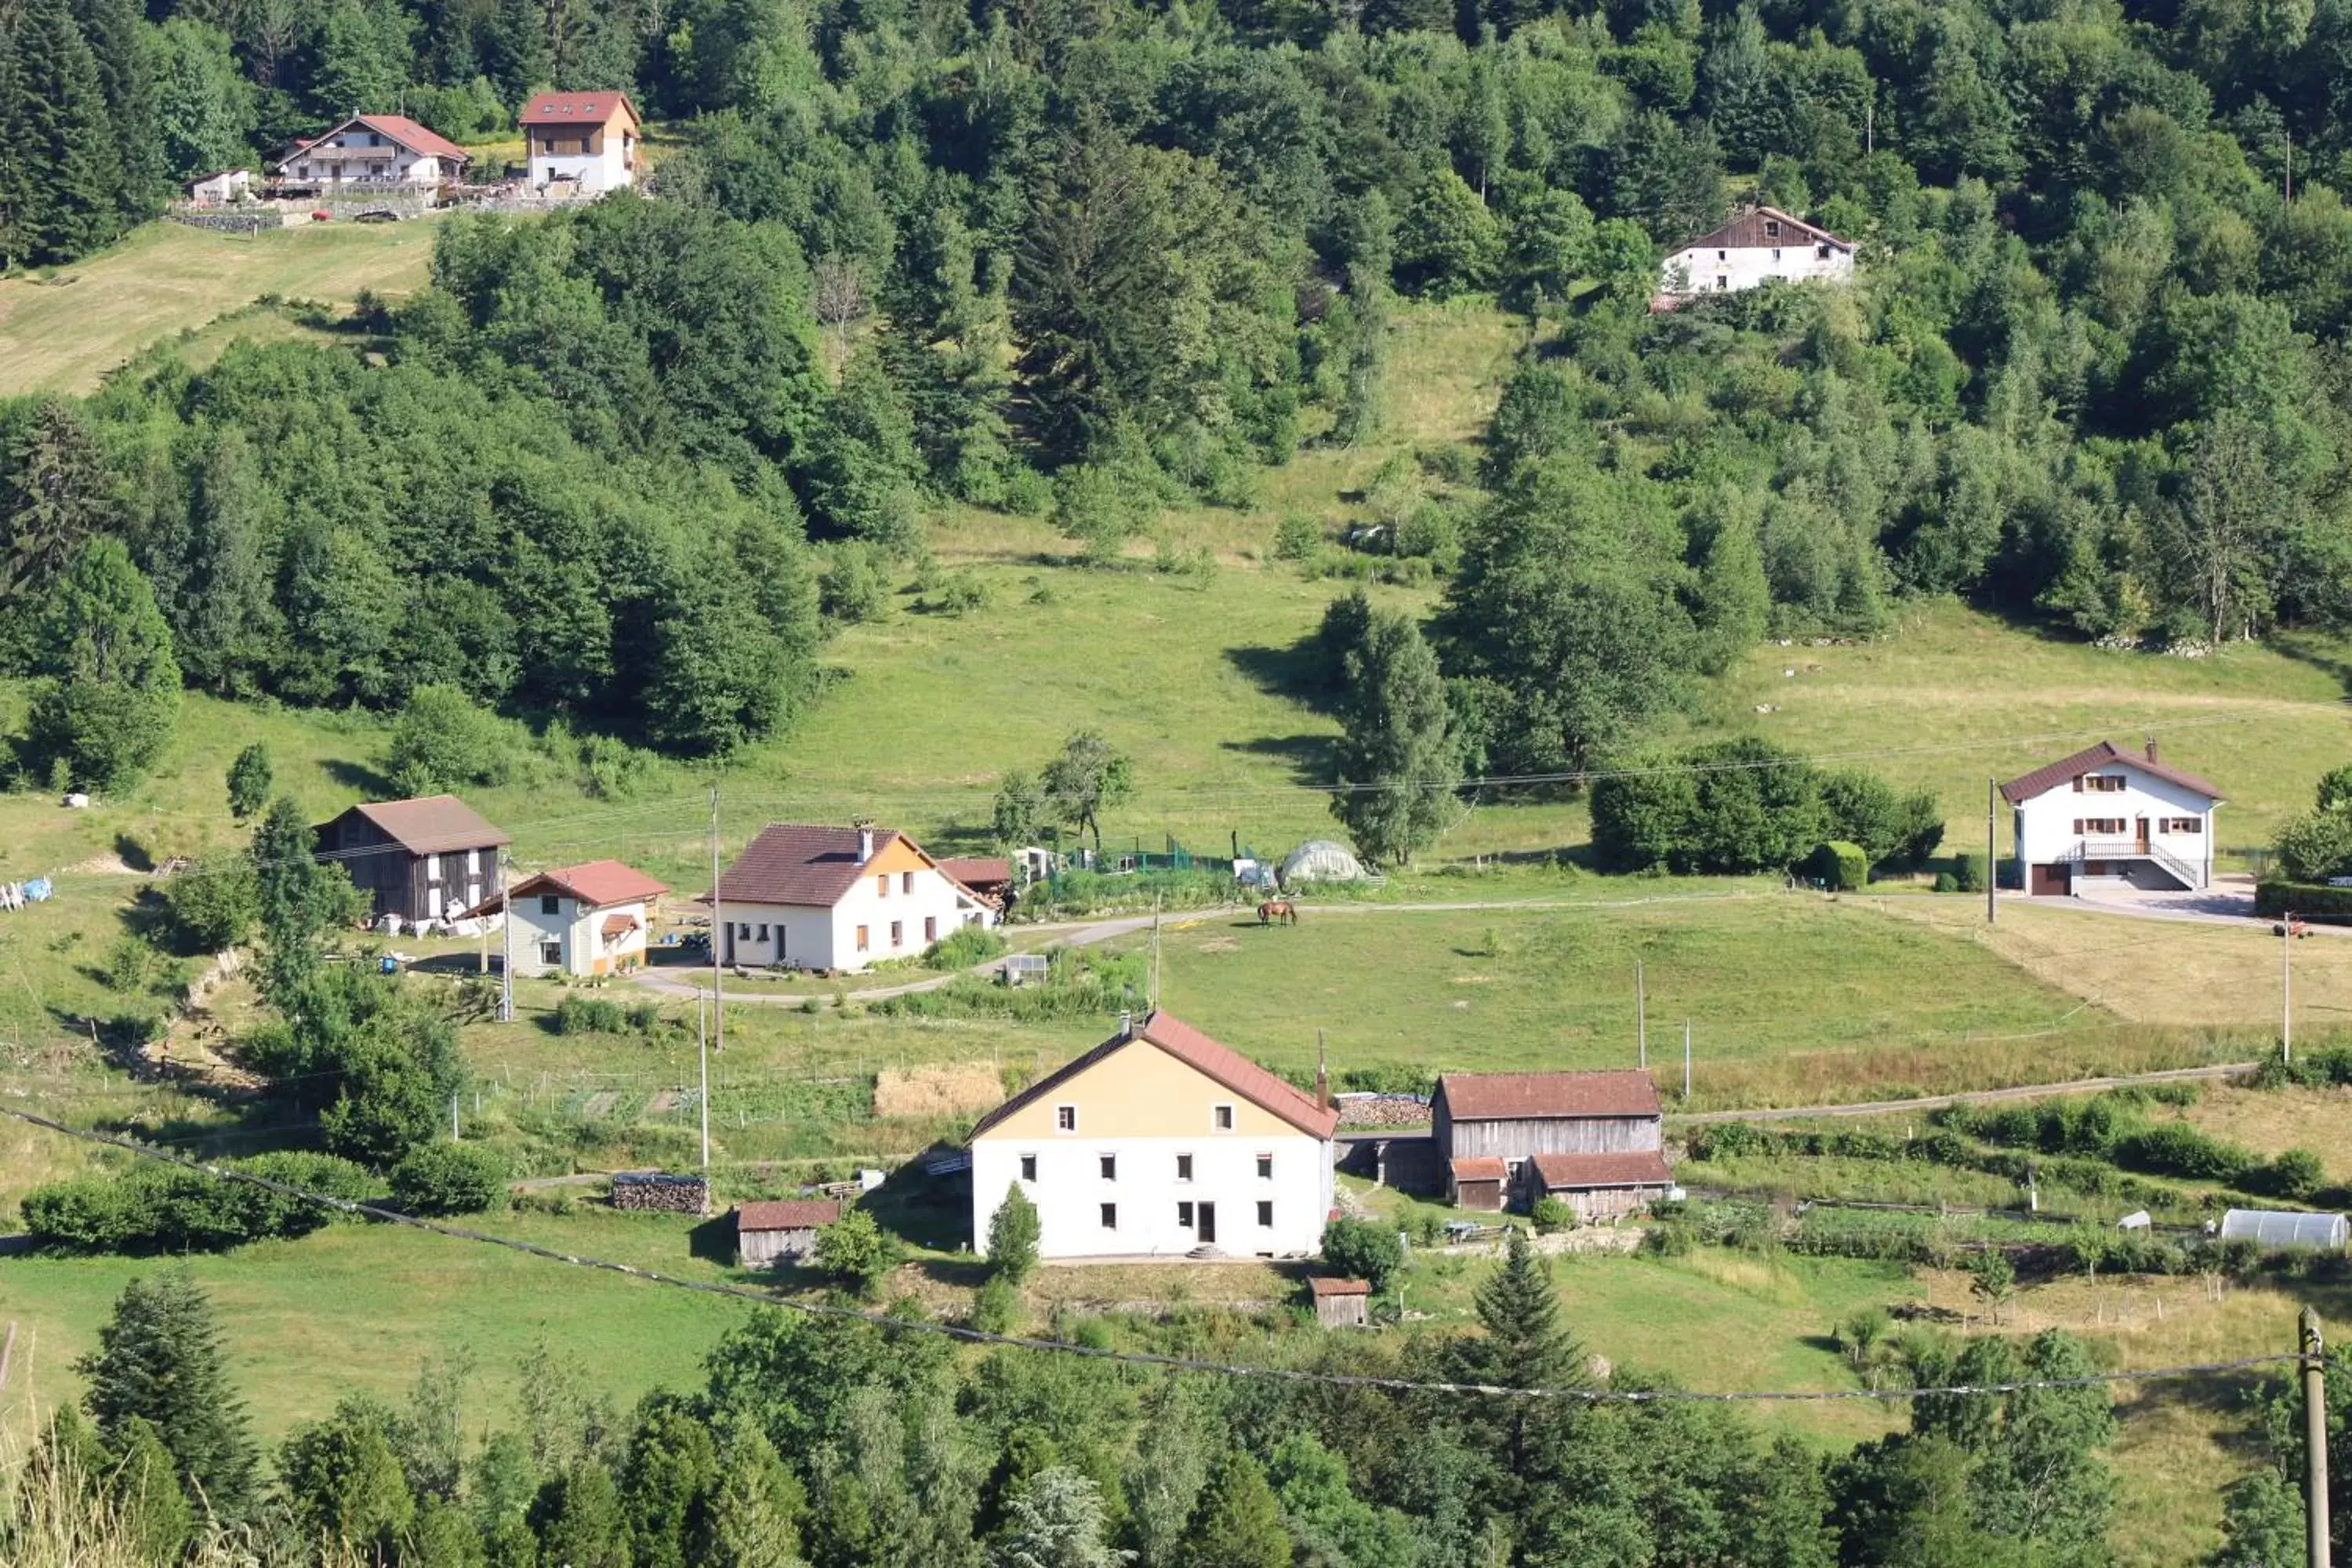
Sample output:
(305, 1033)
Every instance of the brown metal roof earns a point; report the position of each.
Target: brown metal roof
(798, 863)
(432, 824)
(1635, 1168)
(1323, 1285)
(788, 1213)
(595, 883)
(575, 109)
(2106, 754)
(1479, 1168)
(974, 870)
(1747, 232)
(1221, 1064)
(1509, 1096)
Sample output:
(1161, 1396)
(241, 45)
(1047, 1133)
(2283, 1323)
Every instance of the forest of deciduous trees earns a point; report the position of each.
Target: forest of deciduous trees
(1102, 257)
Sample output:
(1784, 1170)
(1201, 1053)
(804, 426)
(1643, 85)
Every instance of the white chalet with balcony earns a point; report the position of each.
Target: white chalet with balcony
(2113, 816)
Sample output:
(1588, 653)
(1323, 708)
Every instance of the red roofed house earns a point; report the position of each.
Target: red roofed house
(374, 150)
(1160, 1142)
(1602, 1132)
(771, 1232)
(580, 920)
(838, 899)
(2106, 814)
(588, 138)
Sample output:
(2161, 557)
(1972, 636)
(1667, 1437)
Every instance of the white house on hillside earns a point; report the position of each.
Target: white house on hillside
(1753, 249)
(2106, 815)
(580, 920)
(374, 150)
(588, 138)
(838, 899)
(1158, 1143)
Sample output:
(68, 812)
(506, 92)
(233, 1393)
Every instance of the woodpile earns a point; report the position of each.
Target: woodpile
(1381, 1109)
(661, 1192)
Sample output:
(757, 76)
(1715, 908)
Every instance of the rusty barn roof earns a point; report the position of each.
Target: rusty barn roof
(1512, 1096)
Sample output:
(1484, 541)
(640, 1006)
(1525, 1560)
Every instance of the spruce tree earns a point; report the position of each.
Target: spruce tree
(145, 1489)
(753, 1519)
(301, 898)
(1397, 747)
(1526, 1344)
(54, 498)
(579, 1519)
(1237, 1522)
(129, 62)
(249, 781)
(1013, 1235)
(73, 180)
(107, 712)
(159, 1359)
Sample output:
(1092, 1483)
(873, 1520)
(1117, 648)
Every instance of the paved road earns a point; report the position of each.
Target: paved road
(1974, 1096)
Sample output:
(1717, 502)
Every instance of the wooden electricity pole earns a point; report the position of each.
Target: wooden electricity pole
(2286, 985)
(1641, 1015)
(1686, 1059)
(506, 939)
(1992, 861)
(718, 933)
(702, 1048)
(2314, 1437)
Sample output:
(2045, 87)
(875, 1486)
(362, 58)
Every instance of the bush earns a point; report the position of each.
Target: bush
(1552, 1213)
(2297, 1175)
(1297, 537)
(168, 1209)
(857, 1252)
(1841, 867)
(214, 904)
(965, 947)
(996, 1306)
(2179, 1151)
(1946, 883)
(443, 738)
(450, 1178)
(1969, 872)
(576, 1015)
(2320, 904)
(855, 588)
(960, 593)
(1364, 1250)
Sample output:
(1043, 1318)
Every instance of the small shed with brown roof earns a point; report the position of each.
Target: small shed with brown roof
(1341, 1303)
(782, 1231)
(1477, 1182)
(431, 857)
(1597, 1187)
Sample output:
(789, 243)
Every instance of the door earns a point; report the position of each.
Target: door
(1208, 1228)
(2050, 880)
(2141, 835)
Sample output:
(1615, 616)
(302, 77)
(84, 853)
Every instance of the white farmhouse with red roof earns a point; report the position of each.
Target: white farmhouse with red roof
(583, 919)
(2109, 815)
(591, 139)
(808, 897)
(374, 151)
(1753, 249)
(1160, 1142)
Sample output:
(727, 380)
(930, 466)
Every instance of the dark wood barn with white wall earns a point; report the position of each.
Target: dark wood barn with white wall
(1512, 1118)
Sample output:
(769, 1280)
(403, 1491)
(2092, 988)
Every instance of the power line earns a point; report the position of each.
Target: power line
(1145, 1358)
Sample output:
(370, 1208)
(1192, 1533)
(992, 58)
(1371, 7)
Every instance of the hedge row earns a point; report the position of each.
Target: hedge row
(166, 1209)
(2310, 900)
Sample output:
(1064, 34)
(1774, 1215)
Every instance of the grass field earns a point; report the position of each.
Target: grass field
(63, 331)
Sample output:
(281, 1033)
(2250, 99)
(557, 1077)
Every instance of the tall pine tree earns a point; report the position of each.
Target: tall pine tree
(160, 1361)
(128, 60)
(1398, 758)
(72, 184)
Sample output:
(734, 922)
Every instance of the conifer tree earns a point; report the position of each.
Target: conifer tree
(1013, 1235)
(73, 180)
(1397, 747)
(249, 781)
(301, 898)
(108, 709)
(1237, 1522)
(754, 1517)
(127, 61)
(159, 1359)
(579, 1519)
(145, 1486)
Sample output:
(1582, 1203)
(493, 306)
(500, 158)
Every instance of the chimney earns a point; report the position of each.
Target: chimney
(2151, 751)
(1127, 1025)
(865, 826)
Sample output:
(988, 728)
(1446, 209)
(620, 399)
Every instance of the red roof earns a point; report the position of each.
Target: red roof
(1221, 1064)
(977, 871)
(790, 1214)
(794, 863)
(1322, 1285)
(431, 825)
(595, 883)
(619, 925)
(1508, 1096)
(575, 109)
(411, 135)
(1635, 1168)
(2106, 754)
(1479, 1168)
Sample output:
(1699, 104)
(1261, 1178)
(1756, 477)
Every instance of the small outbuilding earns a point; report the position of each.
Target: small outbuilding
(784, 1232)
(2279, 1229)
(1597, 1187)
(1341, 1303)
(1321, 860)
(1477, 1183)
(219, 188)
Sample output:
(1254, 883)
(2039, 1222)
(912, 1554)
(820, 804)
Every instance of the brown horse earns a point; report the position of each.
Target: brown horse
(1274, 909)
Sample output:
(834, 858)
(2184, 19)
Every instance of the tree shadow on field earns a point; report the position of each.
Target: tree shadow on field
(1310, 756)
(1294, 672)
(2320, 654)
(361, 776)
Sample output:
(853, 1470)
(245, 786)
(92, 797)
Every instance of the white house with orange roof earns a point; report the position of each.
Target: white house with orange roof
(585, 919)
(591, 139)
(373, 149)
(804, 896)
(1161, 1143)
(2107, 815)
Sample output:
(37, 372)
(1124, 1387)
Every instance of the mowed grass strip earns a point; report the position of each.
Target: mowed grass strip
(64, 332)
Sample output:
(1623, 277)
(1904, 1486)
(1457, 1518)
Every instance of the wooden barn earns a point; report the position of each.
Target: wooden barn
(1341, 1303)
(429, 858)
(1597, 1187)
(1489, 1126)
(1477, 1182)
(769, 1233)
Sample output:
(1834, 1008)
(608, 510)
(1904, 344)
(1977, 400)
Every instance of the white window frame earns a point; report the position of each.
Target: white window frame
(551, 954)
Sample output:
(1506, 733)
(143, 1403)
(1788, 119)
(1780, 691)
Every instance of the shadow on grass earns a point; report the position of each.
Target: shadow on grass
(1297, 672)
(1310, 756)
(360, 777)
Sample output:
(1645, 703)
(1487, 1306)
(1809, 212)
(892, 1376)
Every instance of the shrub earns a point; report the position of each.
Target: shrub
(1013, 1232)
(1969, 872)
(214, 904)
(963, 593)
(450, 1178)
(443, 738)
(576, 1015)
(1946, 883)
(1840, 866)
(965, 947)
(855, 588)
(168, 1209)
(2179, 1151)
(995, 1306)
(1552, 1213)
(2296, 1175)
(1297, 537)
(2311, 901)
(857, 1252)
(1364, 1250)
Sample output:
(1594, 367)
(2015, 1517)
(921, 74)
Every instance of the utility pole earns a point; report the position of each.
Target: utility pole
(1155, 952)
(453, 1116)
(1992, 861)
(1641, 1013)
(702, 1048)
(717, 933)
(1686, 1059)
(2286, 985)
(506, 936)
(2314, 1437)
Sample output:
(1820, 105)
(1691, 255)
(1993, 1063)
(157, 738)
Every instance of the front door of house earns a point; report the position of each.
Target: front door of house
(1208, 1227)
(2142, 825)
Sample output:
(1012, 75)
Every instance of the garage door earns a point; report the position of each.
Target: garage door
(2052, 878)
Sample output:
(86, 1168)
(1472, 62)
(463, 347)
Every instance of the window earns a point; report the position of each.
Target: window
(473, 861)
(2181, 825)
(1266, 1167)
(1028, 1167)
(862, 943)
(906, 881)
(551, 953)
(1776, 253)
(1723, 256)
(1183, 1167)
(2098, 824)
(1821, 251)
(1110, 1167)
(931, 929)
(1222, 1117)
(743, 931)
(1111, 1216)
(1771, 228)
(1065, 1119)
(550, 904)
(882, 886)
(2099, 783)
(1184, 1215)
(1722, 281)
(897, 934)
(1265, 1211)
(763, 933)
(432, 867)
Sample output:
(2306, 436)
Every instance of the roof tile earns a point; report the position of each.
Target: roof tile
(1499, 1096)
(788, 1213)
(2106, 754)
(1221, 1064)
(1634, 1168)
(798, 863)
